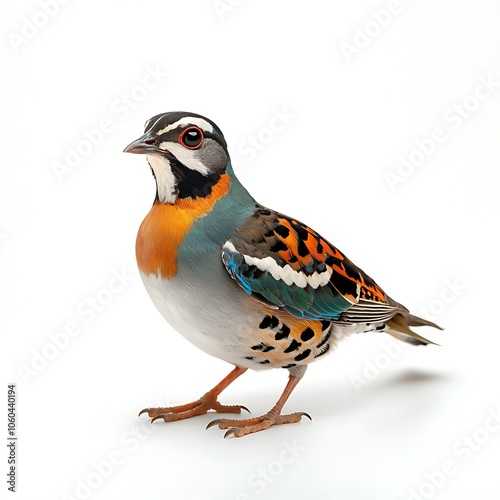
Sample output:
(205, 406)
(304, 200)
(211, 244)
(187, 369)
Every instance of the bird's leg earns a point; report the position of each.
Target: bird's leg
(201, 406)
(240, 428)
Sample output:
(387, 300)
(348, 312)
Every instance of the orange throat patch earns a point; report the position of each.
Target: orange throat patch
(166, 225)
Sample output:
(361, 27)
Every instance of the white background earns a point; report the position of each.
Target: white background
(383, 426)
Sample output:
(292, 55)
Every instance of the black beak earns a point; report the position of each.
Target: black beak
(144, 145)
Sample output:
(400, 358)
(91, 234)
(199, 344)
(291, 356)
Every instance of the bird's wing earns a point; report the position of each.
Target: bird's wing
(285, 263)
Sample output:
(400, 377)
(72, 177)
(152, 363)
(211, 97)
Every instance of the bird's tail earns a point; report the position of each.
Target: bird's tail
(399, 327)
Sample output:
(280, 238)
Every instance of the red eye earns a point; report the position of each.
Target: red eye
(191, 138)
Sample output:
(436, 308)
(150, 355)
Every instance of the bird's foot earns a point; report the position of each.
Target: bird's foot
(198, 407)
(239, 428)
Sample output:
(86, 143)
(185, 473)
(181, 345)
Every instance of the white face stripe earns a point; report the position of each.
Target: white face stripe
(286, 273)
(187, 120)
(185, 156)
(165, 179)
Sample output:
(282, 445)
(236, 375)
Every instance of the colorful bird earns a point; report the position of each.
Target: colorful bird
(243, 282)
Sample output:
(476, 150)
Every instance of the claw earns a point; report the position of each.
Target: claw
(158, 417)
(229, 432)
(304, 414)
(245, 408)
(146, 410)
(214, 422)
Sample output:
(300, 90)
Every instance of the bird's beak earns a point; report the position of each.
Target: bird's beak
(144, 145)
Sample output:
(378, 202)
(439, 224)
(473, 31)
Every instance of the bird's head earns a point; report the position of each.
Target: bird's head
(186, 152)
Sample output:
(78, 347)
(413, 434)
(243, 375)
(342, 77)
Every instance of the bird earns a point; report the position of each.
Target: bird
(241, 281)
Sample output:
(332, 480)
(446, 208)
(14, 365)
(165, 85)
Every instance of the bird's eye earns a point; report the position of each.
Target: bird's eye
(191, 138)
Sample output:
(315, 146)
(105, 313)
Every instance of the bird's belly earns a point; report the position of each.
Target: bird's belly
(209, 318)
(225, 322)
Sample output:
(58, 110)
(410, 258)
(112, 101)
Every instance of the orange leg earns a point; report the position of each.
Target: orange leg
(201, 406)
(240, 428)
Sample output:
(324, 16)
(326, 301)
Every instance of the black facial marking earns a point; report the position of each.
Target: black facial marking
(294, 345)
(282, 333)
(190, 183)
(302, 355)
(307, 334)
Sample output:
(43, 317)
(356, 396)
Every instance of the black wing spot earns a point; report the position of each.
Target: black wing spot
(291, 365)
(302, 233)
(283, 231)
(302, 249)
(274, 322)
(325, 339)
(265, 323)
(294, 345)
(319, 247)
(265, 362)
(279, 245)
(262, 347)
(249, 357)
(325, 325)
(323, 351)
(302, 355)
(282, 333)
(307, 334)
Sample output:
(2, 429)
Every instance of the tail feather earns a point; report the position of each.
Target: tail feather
(399, 327)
